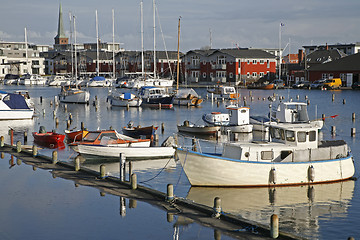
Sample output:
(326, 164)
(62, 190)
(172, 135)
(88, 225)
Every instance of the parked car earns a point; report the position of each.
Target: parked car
(301, 84)
(334, 83)
(355, 85)
(317, 84)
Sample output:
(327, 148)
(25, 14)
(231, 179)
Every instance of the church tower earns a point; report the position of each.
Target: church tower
(60, 37)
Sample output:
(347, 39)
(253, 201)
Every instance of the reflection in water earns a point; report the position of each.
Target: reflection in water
(298, 208)
(19, 127)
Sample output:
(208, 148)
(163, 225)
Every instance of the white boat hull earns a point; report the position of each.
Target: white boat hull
(15, 114)
(246, 128)
(79, 97)
(214, 170)
(98, 151)
(125, 103)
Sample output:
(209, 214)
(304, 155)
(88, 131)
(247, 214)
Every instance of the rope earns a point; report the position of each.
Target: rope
(157, 173)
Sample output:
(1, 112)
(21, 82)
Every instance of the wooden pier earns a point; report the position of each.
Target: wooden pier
(186, 210)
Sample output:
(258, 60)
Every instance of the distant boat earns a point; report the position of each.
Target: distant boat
(124, 99)
(32, 79)
(138, 132)
(222, 91)
(156, 97)
(198, 129)
(99, 81)
(237, 120)
(74, 94)
(14, 106)
(264, 86)
(187, 97)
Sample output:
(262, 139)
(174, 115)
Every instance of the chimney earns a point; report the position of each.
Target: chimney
(300, 56)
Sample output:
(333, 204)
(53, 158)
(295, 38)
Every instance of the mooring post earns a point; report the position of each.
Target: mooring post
(25, 137)
(194, 148)
(170, 192)
(353, 117)
(122, 167)
(333, 130)
(333, 97)
(169, 217)
(274, 226)
(2, 141)
(130, 169)
(217, 207)
(11, 136)
(353, 132)
(133, 181)
(54, 157)
(122, 207)
(82, 126)
(102, 171)
(77, 163)
(18, 146)
(34, 151)
(162, 128)
(132, 203)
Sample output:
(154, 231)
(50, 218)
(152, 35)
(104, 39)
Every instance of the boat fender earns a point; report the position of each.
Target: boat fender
(186, 123)
(272, 176)
(311, 173)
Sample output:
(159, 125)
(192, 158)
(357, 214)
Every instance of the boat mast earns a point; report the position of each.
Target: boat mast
(71, 46)
(76, 63)
(113, 19)
(281, 24)
(154, 38)
(97, 44)
(142, 38)
(178, 58)
(26, 52)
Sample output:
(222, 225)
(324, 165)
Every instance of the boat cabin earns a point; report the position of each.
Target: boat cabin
(153, 92)
(291, 112)
(238, 115)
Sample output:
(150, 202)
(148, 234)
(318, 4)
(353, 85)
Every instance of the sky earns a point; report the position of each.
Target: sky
(232, 23)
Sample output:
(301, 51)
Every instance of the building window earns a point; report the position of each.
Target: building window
(220, 74)
(248, 61)
(267, 63)
(261, 61)
(254, 74)
(324, 76)
(211, 75)
(254, 61)
(221, 60)
(248, 74)
(204, 75)
(231, 75)
(261, 74)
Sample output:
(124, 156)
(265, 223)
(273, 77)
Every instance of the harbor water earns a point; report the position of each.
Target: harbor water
(35, 205)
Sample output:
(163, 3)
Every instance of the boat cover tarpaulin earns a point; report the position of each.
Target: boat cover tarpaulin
(15, 101)
(184, 93)
(127, 96)
(98, 78)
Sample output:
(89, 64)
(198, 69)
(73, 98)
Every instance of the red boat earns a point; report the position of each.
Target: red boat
(48, 138)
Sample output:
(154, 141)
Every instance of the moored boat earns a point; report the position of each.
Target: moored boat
(222, 91)
(187, 97)
(295, 156)
(74, 94)
(156, 97)
(198, 129)
(14, 106)
(48, 138)
(139, 132)
(75, 136)
(125, 99)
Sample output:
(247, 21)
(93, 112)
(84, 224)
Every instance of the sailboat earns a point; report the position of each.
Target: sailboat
(73, 93)
(186, 96)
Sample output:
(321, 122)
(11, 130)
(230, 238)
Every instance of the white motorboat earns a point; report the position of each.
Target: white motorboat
(99, 81)
(227, 92)
(32, 79)
(124, 99)
(74, 94)
(187, 97)
(295, 156)
(58, 80)
(237, 120)
(113, 151)
(14, 106)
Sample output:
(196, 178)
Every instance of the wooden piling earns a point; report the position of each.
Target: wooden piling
(194, 148)
(56, 122)
(218, 104)
(11, 136)
(353, 117)
(274, 226)
(217, 207)
(2, 141)
(344, 101)
(130, 169)
(353, 132)
(133, 181)
(25, 137)
(34, 151)
(160, 106)
(170, 192)
(132, 203)
(77, 163)
(82, 126)
(102, 171)
(67, 124)
(333, 130)
(169, 217)
(122, 167)
(162, 128)
(54, 157)
(18, 146)
(333, 97)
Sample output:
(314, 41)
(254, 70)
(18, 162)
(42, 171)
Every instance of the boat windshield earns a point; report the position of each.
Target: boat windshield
(91, 136)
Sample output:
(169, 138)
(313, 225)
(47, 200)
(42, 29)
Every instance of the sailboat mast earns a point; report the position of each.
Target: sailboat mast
(26, 52)
(178, 58)
(142, 37)
(76, 73)
(71, 46)
(97, 44)
(280, 50)
(113, 20)
(154, 39)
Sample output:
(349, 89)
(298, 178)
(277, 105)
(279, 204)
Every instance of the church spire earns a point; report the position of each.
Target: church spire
(60, 37)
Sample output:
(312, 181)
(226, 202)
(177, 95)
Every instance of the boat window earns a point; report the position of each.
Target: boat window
(91, 136)
(243, 111)
(108, 136)
(290, 136)
(301, 136)
(267, 155)
(282, 134)
(312, 136)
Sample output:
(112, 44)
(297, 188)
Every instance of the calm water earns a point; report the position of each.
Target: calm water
(36, 206)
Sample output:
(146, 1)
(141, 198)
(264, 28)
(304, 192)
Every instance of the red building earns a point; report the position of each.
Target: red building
(228, 65)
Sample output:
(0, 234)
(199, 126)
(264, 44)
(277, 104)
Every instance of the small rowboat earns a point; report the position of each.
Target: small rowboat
(137, 132)
(75, 136)
(198, 129)
(48, 138)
